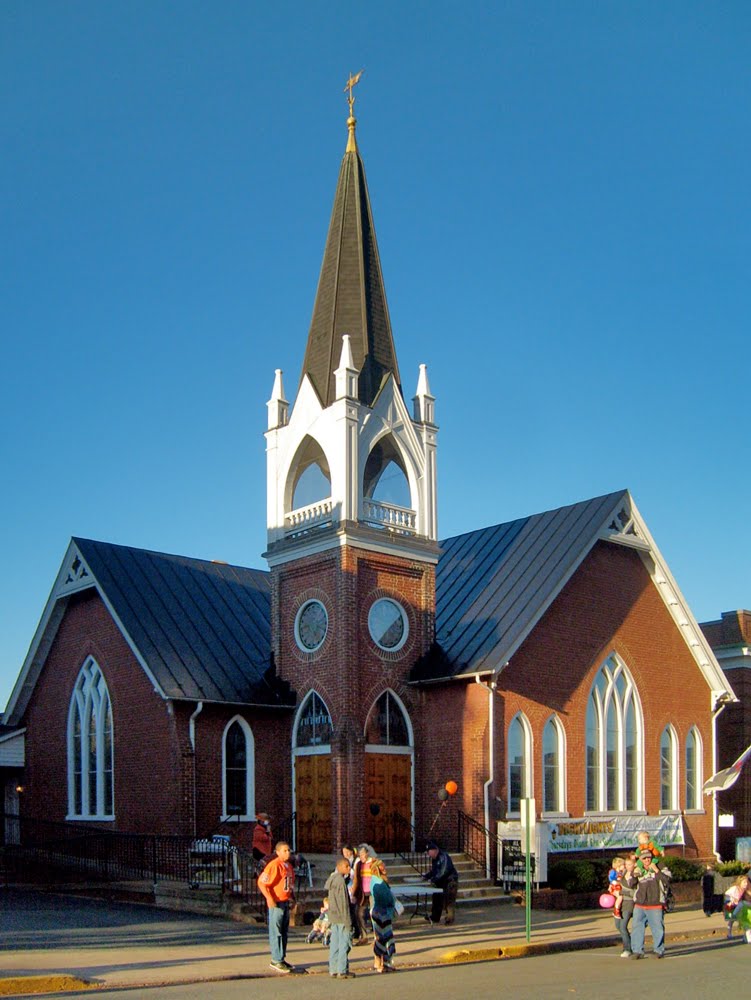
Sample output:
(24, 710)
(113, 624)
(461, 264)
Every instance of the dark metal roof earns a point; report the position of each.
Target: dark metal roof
(202, 628)
(351, 297)
(494, 584)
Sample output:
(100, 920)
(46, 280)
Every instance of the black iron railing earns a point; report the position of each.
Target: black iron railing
(406, 834)
(287, 831)
(480, 844)
(36, 848)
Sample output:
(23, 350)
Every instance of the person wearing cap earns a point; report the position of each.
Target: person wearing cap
(263, 844)
(649, 895)
(444, 876)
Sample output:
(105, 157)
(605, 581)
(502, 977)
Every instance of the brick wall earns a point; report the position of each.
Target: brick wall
(349, 671)
(149, 781)
(157, 789)
(733, 737)
(610, 606)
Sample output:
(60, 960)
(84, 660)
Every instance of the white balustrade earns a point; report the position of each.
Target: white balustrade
(307, 517)
(389, 515)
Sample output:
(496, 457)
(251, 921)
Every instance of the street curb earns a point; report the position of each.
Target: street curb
(13, 986)
(556, 947)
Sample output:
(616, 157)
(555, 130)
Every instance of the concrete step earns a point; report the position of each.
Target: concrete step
(474, 887)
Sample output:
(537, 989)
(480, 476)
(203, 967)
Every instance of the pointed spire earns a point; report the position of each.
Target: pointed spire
(351, 297)
(346, 373)
(423, 401)
(278, 406)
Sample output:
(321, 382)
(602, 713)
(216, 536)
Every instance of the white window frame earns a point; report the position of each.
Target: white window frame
(250, 771)
(391, 747)
(560, 767)
(694, 805)
(316, 747)
(90, 697)
(672, 736)
(527, 783)
(613, 668)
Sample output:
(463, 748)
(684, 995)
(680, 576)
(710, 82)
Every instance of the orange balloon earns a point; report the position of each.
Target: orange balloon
(451, 787)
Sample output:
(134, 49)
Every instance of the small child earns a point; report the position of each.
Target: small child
(615, 877)
(645, 843)
(321, 929)
(732, 899)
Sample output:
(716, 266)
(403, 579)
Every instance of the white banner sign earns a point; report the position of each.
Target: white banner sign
(613, 833)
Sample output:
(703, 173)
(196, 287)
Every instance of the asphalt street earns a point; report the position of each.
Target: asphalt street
(701, 970)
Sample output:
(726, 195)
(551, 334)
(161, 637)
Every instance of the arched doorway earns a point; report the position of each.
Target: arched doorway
(388, 775)
(311, 749)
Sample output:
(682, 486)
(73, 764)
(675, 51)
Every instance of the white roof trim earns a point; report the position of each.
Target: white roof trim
(73, 577)
(14, 735)
(681, 614)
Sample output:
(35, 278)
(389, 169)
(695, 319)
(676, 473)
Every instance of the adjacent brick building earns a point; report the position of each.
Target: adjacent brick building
(730, 639)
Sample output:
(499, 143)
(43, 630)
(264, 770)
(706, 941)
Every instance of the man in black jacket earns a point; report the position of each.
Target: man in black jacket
(649, 897)
(444, 876)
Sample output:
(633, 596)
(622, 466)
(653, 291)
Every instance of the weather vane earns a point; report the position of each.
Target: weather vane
(350, 84)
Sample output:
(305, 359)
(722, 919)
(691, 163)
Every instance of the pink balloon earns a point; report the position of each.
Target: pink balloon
(607, 900)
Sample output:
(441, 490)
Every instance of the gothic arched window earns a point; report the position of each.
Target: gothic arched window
(90, 747)
(668, 769)
(613, 741)
(693, 769)
(553, 767)
(313, 727)
(238, 770)
(387, 723)
(519, 756)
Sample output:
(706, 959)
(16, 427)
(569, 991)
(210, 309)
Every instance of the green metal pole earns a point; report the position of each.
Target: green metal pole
(528, 874)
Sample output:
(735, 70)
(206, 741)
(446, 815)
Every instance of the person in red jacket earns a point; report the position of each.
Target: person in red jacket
(263, 843)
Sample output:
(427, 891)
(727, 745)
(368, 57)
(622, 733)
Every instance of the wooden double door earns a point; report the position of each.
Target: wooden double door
(313, 801)
(388, 790)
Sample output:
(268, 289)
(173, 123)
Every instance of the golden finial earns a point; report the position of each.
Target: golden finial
(352, 121)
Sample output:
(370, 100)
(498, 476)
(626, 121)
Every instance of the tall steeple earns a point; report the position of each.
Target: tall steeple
(347, 464)
(351, 298)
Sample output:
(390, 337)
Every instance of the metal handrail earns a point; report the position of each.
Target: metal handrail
(287, 831)
(479, 844)
(418, 860)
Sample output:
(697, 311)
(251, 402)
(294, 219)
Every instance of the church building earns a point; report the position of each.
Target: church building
(550, 658)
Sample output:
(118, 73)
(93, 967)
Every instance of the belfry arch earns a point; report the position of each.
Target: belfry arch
(385, 478)
(309, 477)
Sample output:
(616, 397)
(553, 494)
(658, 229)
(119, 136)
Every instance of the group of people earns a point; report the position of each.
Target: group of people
(357, 892)
(640, 883)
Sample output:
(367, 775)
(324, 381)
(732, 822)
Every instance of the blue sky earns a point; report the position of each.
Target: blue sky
(561, 198)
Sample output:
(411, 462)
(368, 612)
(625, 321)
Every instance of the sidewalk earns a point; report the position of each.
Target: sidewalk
(126, 945)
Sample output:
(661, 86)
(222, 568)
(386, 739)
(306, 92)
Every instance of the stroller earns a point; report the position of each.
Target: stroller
(321, 929)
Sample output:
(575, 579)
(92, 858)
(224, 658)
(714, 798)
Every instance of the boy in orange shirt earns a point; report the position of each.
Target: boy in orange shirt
(277, 883)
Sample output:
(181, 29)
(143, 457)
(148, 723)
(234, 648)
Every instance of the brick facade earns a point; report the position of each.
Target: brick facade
(349, 672)
(609, 606)
(158, 786)
(730, 638)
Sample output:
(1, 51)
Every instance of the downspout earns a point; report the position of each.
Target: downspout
(192, 725)
(715, 716)
(491, 767)
(192, 737)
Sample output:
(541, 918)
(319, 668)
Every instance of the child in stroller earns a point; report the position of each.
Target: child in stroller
(321, 929)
